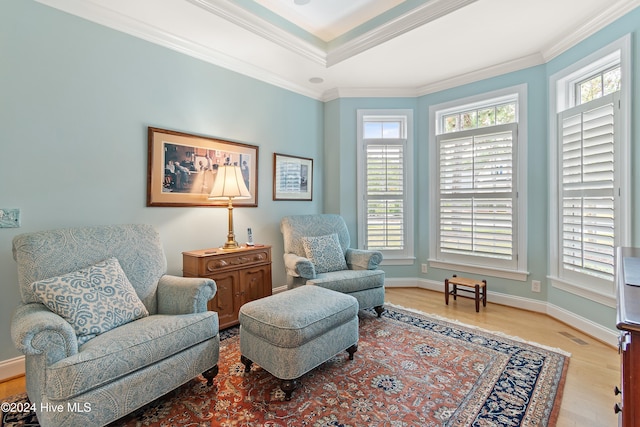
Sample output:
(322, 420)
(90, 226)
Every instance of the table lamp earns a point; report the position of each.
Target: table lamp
(229, 184)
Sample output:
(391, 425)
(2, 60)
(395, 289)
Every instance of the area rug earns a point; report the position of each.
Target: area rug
(411, 369)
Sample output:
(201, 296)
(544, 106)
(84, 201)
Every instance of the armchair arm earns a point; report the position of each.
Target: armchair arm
(298, 266)
(36, 330)
(362, 259)
(184, 295)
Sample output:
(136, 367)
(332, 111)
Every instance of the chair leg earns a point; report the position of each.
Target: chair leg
(379, 309)
(210, 374)
(352, 350)
(246, 362)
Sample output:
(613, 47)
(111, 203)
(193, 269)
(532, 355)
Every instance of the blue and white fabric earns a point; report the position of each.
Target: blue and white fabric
(93, 300)
(325, 252)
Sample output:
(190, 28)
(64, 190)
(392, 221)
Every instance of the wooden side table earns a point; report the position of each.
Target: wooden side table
(478, 288)
(241, 275)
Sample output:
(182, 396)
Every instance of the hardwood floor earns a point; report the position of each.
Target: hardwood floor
(594, 368)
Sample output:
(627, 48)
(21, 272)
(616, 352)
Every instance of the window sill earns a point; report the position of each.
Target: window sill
(398, 261)
(520, 276)
(600, 297)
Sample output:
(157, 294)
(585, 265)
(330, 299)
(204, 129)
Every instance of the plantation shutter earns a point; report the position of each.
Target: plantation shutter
(587, 188)
(385, 187)
(477, 196)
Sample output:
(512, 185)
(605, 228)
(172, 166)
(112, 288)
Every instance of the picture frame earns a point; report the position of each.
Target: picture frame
(292, 177)
(182, 168)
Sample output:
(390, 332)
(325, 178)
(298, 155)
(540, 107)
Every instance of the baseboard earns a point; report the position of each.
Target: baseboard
(11, 368)
(599, 332)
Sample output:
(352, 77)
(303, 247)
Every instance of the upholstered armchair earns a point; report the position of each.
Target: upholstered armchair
(317, 252)
(104, 330)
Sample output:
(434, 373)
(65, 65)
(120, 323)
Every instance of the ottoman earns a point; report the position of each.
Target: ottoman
(290, 333)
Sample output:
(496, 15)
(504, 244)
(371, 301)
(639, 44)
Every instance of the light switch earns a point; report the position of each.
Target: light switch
(9, 218)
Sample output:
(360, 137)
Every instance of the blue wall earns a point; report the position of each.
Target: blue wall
(77, 99)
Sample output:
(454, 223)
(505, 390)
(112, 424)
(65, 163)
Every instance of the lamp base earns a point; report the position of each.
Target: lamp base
(230, 244)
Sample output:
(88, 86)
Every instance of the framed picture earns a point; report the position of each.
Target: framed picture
(182, 168)
(292, 177)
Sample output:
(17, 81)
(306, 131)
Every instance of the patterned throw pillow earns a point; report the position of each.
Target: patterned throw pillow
(93, 300)
(325, 253)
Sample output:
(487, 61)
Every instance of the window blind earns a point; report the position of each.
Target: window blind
(587, 188)
(477, 195)
(385, 187)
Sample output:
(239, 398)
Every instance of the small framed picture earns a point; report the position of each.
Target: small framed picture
(292, 177)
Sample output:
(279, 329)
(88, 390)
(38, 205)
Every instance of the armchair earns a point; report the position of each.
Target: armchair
(317, 252)
(104, 330)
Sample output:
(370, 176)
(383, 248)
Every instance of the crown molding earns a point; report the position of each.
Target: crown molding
(374, 92)
(482, 74)
(432, 10)
(247, 20)
(109, 18)
(593, 25)
(411, 20)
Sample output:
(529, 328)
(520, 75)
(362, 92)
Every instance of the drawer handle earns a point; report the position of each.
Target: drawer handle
(616, 408)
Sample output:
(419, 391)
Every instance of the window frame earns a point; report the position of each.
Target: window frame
(562, 96)
(518, 271)
(390, 257)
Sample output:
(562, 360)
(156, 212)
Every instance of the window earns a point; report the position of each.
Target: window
(385, 208)
(478, 217)
(590, 145)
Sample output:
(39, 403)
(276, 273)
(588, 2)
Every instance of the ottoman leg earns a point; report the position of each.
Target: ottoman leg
(352, 350)
(247, 363)
(288, 386)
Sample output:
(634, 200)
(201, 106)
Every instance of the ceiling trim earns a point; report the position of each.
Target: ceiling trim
(109, 18)
(421, 15)
(411, 20)
(474, 76)
(596, 23)
(247, 20)
(482, 74)
(119, 22)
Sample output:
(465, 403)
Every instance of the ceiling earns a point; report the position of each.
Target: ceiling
(327, 49)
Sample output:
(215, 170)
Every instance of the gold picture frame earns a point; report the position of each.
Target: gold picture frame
(182, 168)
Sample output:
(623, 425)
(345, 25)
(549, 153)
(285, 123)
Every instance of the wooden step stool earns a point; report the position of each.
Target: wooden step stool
(479, 289)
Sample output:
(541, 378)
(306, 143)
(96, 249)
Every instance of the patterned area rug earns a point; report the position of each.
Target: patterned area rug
(410, 369)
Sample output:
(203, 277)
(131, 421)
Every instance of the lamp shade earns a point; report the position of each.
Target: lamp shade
(229, 184)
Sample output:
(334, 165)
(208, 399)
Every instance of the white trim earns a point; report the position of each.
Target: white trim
(411, 20)
(600, 297)
(587, 29)
(260, 27)
(141, 30)
(12, 368)
(407, 255)
(597, 331)
(559, 99)
(431, 10)
(521, 222)
(518, 275)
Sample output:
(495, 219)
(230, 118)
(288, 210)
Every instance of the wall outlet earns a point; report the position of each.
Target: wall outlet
(9, 218)
(424, 268)
(535, 286)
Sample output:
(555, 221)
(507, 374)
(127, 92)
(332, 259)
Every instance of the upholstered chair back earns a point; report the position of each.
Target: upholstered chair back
(46, 254)
(295, 227)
